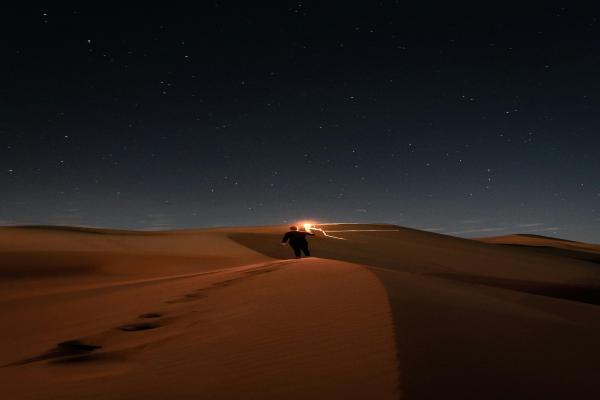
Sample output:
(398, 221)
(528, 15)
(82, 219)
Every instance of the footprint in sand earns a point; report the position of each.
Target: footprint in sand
(199, 293)
(188, 297)
(141, 326)
(71, 349)
(75, 351)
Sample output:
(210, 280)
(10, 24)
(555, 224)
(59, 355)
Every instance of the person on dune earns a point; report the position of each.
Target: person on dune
(297, 240)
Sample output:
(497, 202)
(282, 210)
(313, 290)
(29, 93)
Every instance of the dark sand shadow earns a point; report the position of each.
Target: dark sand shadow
(354, 251)
(357, 252)
(555, 251)
(63, 350)
(583, 294)
(451, 346)
(448, 347)
(139, 326)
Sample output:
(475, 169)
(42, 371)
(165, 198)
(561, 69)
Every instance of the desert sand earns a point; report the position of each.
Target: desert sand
(389, 312)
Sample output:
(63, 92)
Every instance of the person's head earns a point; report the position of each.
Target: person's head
(293, 228)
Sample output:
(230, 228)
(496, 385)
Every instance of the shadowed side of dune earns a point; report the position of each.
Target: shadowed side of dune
(59, 264)
(560, 252)
(545, 237)
(542, 241)
(18, 265)
(361, 249)
(264, 243)
(352, 252)
(580, 293)
(416, 251)
(83, 230)
(460, 340)
(460, 333)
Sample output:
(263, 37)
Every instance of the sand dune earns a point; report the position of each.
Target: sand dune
(543, 241)
(389, 312)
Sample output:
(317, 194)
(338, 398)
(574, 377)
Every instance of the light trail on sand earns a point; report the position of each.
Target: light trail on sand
(368, 230)
(310, 227)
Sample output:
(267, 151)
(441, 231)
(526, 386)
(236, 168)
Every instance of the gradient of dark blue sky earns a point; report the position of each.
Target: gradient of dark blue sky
(472, 121)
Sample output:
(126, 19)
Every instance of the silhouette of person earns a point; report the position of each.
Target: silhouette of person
(297, 240)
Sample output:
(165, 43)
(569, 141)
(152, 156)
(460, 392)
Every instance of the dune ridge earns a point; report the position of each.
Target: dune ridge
(389, 312)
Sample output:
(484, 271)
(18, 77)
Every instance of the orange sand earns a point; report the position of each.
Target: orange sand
(223, 314)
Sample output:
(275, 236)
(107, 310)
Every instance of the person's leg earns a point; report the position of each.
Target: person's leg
(305, 250)
(296, 250)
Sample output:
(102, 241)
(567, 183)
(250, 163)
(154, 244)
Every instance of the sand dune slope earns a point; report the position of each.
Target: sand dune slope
(476, 320)
(541, 241)
(419, 252)
(383, 312)
(550, 246)
(45, 259)
(471, 341)
(302, 329)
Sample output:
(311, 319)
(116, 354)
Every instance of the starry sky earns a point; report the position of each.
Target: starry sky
(470, 121)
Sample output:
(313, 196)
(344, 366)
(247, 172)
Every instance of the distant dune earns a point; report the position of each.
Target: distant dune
(379, 312)
(544, 241)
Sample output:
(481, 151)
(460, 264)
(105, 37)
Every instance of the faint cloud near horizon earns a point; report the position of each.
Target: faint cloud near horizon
(67, 217)
(157, 222)
(471, 221)
(548, 229)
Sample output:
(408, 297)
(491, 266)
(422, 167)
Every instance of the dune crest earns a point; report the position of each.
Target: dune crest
(388, 312)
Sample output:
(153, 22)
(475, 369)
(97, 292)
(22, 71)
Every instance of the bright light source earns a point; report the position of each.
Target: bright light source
(306, 225)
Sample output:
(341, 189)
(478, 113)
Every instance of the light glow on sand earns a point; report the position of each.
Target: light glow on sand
(310, 226)
(367, 230)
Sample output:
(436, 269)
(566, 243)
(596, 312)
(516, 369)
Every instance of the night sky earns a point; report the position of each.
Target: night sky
(472, 121)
